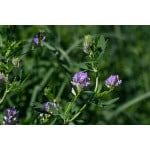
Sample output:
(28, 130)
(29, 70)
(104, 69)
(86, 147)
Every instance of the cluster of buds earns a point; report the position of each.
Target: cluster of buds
(87, 43)
(16, 62)
(80, 79)
(38, 38)
(10, 116)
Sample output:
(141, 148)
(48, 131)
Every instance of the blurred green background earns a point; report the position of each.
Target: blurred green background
(127, 54)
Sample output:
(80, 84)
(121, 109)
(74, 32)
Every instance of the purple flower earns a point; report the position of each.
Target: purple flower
(2, 77)
(10, 116)
(38, 38)
(112, 81)
(35, 40)
(80, 79)
(46, 106)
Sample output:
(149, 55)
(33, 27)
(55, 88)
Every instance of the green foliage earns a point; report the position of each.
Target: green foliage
(35, 74)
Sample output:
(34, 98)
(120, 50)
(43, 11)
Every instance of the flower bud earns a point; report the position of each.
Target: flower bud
(2, 77)
(87, 42)
(16, 62)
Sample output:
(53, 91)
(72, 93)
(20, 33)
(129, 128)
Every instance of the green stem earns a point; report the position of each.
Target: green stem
(132, 102)
(5, 93)
(2, 99)
(77, 114)
(105, 92)
(96, 85)
(69, 108)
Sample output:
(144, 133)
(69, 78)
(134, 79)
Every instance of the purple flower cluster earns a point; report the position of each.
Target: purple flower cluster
(48, 109)
(112, 81)
(38, 38)
(10, 116)
(80, 79)
(46, 106)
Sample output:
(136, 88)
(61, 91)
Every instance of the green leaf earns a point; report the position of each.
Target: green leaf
(67, 108)
(88, 92)
(15, 85)
(104, 93)
(132, 102)
(1, 41)
(109, 102)
(99, 88)
(48, 93)
(49, 46)
(77, 114)
(36, 105)
(101, 46)
(2, 57)
(80, 121)
(82, 66)
(102, 43)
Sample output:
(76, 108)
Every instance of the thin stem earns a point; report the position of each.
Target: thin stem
(96, 85)
(77, 114)
(105, 92)
(5, 93)
(132, 102)
(69, 108)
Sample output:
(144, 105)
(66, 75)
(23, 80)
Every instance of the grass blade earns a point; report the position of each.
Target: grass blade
(132, 102)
